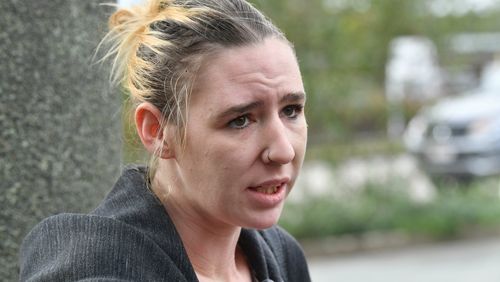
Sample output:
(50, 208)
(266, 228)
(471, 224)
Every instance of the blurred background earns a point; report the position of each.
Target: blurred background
(404, 138)
(401, 179)
(403, 112)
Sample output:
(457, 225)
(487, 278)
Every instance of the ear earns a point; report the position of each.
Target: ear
(148, 120)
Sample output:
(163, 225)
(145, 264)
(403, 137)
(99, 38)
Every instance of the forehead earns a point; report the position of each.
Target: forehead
(262, 68)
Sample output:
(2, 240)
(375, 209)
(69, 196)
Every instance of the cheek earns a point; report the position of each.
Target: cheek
(218, 161)
(300, 139)
(229, 157)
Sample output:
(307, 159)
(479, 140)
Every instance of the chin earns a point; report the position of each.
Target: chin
(263, 225)
(263, 220)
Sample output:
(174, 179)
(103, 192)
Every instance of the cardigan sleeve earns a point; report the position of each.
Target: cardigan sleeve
(72, 247)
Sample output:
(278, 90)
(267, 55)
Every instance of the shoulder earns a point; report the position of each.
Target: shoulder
(72, 247)
(279, 237)
(288, 253)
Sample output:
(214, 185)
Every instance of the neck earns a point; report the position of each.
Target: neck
(213, 252)
(211, 247)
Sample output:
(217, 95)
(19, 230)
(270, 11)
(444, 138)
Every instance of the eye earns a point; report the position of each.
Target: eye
(239, 122)
(292, 111)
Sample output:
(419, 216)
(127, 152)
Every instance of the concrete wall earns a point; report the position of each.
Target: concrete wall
(59, 119)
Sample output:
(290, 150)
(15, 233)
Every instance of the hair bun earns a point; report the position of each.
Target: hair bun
(119, 18)
(139, 13)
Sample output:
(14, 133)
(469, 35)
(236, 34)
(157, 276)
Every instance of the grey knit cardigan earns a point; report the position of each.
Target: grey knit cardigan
(130, 237)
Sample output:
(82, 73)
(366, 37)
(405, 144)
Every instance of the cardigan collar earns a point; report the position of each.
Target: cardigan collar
(131, 202)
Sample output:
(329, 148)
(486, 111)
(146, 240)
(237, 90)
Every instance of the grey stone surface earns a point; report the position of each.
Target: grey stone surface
(59, 119)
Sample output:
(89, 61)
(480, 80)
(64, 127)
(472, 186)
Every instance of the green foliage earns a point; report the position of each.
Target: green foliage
(351, 148)
(389, 208)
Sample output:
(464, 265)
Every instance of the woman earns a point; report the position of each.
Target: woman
(220, 108)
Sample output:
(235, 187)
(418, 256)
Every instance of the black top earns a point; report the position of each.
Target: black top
(130, 237)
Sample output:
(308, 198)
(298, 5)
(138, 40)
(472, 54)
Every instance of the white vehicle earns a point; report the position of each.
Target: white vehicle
(460, 136)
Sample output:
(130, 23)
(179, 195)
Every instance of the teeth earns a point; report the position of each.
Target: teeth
(267, 190)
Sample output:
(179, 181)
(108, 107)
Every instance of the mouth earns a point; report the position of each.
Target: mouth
(269, 190)
(268, 195)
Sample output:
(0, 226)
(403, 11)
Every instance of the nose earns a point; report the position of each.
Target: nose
(278, 149)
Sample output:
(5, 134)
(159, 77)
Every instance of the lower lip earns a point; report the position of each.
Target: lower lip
(267, 200)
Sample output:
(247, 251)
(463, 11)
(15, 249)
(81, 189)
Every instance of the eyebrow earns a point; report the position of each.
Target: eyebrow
(293, 97)
(239, 109)
(244, 108)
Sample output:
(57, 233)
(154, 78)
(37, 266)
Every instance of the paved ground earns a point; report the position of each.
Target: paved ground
(459, 261)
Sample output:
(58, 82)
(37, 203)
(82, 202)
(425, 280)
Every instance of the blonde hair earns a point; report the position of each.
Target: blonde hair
(157, 48)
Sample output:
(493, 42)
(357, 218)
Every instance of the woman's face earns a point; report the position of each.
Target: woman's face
(245, 137)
